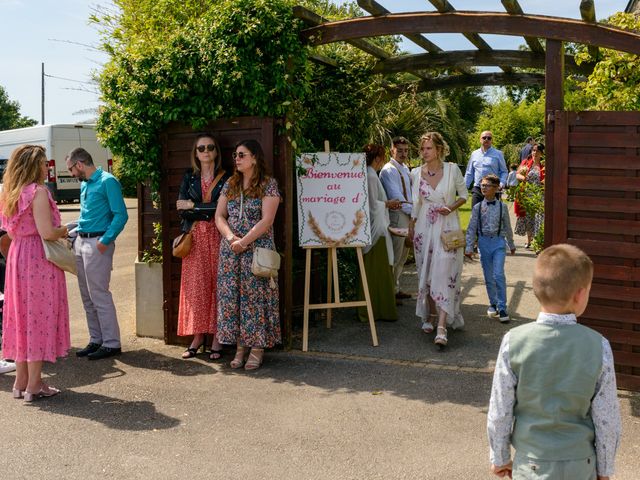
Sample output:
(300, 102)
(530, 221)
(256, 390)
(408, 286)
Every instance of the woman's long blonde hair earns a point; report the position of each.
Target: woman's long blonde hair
(442, 147)
(23, 168)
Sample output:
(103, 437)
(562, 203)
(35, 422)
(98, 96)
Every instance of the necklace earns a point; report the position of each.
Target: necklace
(433, 174)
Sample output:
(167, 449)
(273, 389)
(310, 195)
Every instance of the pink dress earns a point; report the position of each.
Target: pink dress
(198, 308)
(36, 310)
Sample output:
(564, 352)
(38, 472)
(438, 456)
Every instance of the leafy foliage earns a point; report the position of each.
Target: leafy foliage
(153, 254)
(192, 62)
(10, 113)
(531, 197)
(615, 81)
(511, 123)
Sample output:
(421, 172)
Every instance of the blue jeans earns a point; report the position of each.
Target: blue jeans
(492, 255)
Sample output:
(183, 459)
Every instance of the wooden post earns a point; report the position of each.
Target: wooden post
(329, 285)
(554, 86)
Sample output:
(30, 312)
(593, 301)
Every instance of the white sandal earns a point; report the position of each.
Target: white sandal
(441, 337)
(427, 327)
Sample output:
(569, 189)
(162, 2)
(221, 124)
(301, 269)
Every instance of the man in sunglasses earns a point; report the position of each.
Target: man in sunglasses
(484, 161)
(103, 215)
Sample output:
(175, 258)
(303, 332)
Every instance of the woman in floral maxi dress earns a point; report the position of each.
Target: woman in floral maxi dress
(36, 310)
(530, 171)
(434, 187)
(199, 192)
(248, 311)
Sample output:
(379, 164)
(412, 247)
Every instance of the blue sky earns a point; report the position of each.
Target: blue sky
(49, 31)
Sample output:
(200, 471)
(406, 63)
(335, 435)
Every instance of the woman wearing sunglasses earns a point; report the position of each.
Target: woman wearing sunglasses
(197, 201)
(248, 312)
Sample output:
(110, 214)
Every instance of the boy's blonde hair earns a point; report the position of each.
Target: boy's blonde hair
(560, 271)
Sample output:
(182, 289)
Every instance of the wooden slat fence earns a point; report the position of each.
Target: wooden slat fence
(595, 175)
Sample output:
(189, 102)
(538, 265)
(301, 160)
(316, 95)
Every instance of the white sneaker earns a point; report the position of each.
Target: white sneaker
(6, 367)
(492, 312)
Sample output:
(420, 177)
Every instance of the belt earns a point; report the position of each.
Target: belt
(90, 234)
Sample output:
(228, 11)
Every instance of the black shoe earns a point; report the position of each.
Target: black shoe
(92, 347)
(504, 316)
(104, 352)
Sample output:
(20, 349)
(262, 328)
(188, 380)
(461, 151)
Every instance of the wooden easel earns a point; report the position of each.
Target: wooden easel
(332, 278)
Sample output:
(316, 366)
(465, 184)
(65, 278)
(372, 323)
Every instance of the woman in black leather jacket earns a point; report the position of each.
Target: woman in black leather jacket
(197, 200)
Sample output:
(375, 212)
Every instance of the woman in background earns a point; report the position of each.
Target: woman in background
(378, 257)
(248, 311)
(197, 201)
(36, 310)
(530, 171)
(438, 191)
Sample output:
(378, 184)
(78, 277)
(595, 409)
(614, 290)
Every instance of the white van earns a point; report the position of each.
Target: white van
(58, 140)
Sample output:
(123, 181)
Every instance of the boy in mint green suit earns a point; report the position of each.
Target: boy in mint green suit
(554, 387)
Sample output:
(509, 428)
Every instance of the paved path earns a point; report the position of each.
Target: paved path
(344, 411)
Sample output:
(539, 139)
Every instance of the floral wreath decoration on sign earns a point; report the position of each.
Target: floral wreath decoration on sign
(332, 242)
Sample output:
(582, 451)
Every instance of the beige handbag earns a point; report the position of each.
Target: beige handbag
(452, 240)
(60, 253)
(266, 263)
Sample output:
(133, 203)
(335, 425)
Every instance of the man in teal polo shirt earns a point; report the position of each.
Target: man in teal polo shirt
(103, 215)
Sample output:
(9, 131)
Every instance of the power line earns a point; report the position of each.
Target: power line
(69, 79)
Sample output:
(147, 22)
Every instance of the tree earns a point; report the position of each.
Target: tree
(614, 83)
(510, 124)
(10, 113)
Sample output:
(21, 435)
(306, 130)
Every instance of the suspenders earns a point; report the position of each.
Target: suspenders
(480, 219)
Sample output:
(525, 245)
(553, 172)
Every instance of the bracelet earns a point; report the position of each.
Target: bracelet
(241, 245)
(447, 208)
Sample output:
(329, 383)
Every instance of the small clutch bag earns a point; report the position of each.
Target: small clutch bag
(452, 240)
(266, 263)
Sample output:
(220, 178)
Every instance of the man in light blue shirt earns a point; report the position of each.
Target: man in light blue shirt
(103, 215)
(396, 181)
(484, 161)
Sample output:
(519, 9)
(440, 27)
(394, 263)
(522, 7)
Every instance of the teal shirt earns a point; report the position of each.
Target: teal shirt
(102, 207)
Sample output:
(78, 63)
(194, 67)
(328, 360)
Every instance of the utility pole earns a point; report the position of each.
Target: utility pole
(42, 93)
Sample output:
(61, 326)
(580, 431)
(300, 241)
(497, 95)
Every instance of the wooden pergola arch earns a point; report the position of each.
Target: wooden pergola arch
(446, 19)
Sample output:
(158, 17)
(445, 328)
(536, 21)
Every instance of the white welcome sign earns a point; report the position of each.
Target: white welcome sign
(333, 207)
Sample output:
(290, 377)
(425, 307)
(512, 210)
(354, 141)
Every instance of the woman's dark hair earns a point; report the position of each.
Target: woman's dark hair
(539, 147)
(373, 151)
(195, 163)
(260, 174)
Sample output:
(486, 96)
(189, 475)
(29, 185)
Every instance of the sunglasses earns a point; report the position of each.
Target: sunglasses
(240, 155)
(487, 185)
(487, 138)
(209, 148)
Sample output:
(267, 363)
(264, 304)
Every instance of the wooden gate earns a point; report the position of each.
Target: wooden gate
(593, 201)
(177, 141)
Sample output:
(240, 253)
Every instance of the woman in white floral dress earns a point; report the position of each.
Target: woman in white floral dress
(434, 186)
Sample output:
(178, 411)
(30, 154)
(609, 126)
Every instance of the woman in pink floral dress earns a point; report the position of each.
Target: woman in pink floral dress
(438, 191)
(248, 312)
(36, 311)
